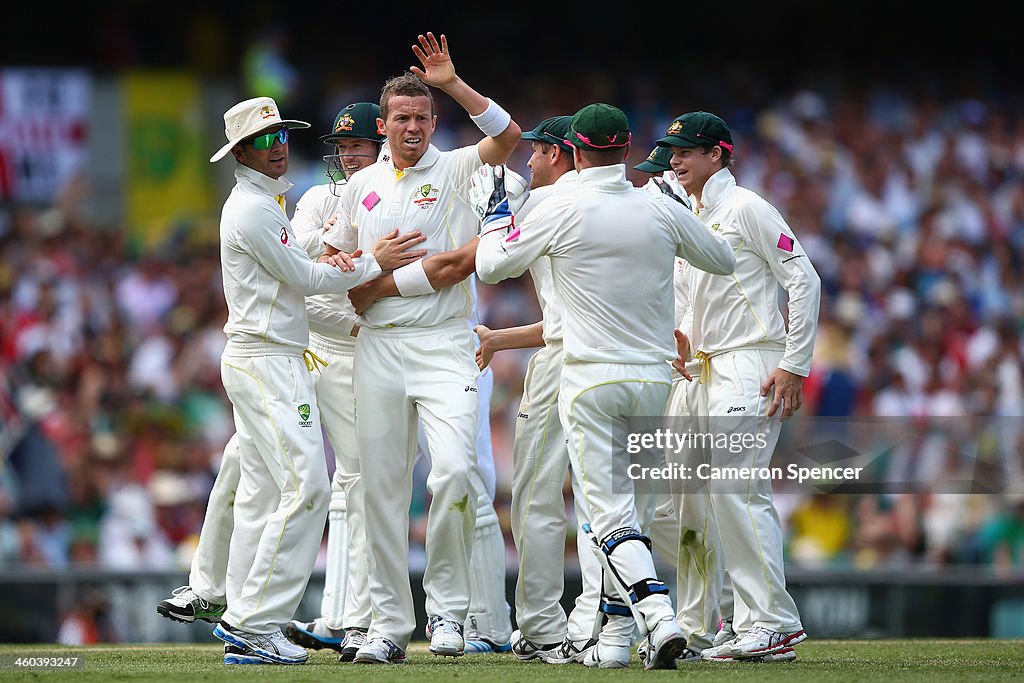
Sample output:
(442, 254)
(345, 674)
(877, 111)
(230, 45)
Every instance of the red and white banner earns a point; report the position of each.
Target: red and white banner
(44, 117)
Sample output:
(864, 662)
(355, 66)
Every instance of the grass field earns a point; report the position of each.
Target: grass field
(884, 660)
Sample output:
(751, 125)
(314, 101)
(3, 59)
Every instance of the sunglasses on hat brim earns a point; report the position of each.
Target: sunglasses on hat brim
(266, 141)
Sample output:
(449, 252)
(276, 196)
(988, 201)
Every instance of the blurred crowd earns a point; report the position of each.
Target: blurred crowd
(910, 205)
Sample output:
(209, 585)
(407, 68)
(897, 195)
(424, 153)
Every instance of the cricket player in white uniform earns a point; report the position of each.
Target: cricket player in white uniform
(205, 595)
(345, 606)
(489, 626)
(283, 492)
(416, 358)
(750, 366)
(664, 533)
(617, 341)
(540, 455)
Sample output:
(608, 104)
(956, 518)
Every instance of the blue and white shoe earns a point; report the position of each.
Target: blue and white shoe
(478, 645)
(272, 647)
(315, 635)
(238, 655)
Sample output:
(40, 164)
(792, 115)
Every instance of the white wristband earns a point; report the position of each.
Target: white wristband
(411, 280)
(493, 121)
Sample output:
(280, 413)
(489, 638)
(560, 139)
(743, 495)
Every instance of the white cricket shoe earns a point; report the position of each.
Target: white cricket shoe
(687, 655)
(186, 606)
(603, 656)
(446, 637)
(355, 638)
(525, 649)
(787, 654)
(725, 634)
(380, 651)
(570, 651)
(272, 647)
(665, 643)
(757, 642)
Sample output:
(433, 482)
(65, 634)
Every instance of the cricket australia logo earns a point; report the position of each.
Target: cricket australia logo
(346, 122)
(425, 195)
(304, 412)
(676, 127)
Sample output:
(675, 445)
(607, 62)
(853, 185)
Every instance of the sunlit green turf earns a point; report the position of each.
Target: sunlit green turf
(881, 660)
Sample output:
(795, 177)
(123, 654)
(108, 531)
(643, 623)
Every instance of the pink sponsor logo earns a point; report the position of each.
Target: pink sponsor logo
(371, 200)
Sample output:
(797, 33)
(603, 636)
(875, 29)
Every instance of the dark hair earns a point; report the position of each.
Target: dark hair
(545, 147)
(727, 157)
(603, 157)
(407, 85)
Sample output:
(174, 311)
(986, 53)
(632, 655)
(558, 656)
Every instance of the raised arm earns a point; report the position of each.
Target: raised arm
(438, 71)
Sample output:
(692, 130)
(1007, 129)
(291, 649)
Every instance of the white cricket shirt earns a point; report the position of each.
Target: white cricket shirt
(330, 315)
(741, 310)
(540, 271)
(267, 275)
(612, 249)
(429, 197)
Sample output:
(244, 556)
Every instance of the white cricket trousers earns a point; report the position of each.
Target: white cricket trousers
(488, 615)
(750, 531)
(404, 375)
(283, 491)
(346, 597)
(540, 463)
(597, 404)
(210, 560)
(700, 565)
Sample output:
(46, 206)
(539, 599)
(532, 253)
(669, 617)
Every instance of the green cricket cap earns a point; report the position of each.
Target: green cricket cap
(357, 120)
(697, 129)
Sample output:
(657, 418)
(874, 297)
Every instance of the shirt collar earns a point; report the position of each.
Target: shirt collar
(605, 177)
(263, 183)
(568, 177)
(428, 159)
(717, 188)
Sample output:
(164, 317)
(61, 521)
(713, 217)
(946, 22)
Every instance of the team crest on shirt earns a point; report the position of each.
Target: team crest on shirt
(304, 412)
(346, 122)
(676, 127)
(425, 195)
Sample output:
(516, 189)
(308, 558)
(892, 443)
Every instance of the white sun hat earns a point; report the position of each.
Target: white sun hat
(250, 117)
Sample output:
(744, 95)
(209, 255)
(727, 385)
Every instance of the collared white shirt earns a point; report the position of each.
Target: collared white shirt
(330, 315)
(612, 249)
(267, 275)
(540, 271)
(429, 197)
(741, 310)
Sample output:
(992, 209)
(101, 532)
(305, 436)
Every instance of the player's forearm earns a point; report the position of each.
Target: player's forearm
(451, 268)
(523, 337)
(469, 99)
(503, 134)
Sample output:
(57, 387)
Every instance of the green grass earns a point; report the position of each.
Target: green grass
(842, 660)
